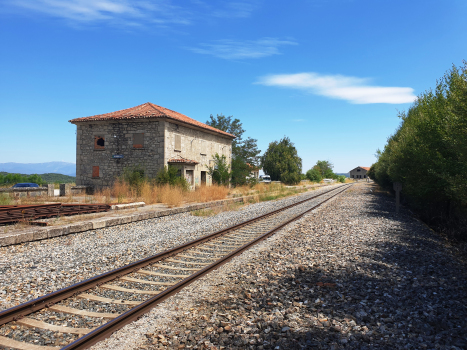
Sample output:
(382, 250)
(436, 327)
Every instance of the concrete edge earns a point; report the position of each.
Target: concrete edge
(37, 234)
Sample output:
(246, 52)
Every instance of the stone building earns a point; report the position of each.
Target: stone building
(148, 136)
(359, 172)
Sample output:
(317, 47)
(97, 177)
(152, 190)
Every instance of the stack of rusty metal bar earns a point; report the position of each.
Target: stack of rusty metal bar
(17, 213)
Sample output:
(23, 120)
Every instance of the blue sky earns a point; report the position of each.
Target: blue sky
(331, 75)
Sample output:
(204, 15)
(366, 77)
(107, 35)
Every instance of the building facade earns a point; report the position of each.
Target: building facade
(146, 136)
(359, 172)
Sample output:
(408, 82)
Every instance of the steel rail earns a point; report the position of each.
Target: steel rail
(48, 300)
(133, 314)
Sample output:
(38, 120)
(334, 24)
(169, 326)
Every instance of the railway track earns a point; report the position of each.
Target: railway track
(80, 315)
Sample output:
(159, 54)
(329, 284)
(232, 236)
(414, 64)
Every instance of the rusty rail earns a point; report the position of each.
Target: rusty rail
(16, 213)
(105, 330)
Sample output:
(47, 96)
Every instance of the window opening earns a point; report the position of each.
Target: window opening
(178, 142)
(138, 140)
(99, 142)
(95, 171)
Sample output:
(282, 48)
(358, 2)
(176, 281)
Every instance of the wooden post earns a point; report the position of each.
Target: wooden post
(397, 187)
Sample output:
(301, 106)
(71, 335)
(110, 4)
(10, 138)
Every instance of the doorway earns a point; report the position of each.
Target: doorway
(203, 178)
(189, 176)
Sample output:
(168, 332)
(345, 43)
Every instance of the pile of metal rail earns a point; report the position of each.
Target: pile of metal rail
(17, 213)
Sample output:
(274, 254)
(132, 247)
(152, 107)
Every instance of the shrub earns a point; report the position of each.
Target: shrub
(341, 178)
(220, 172)
(170, 175)
(290, 178)
(314, 175)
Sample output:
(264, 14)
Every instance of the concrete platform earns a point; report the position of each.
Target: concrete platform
(124, 214)
(121, 214)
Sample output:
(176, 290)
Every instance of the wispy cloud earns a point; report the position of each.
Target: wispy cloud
(122, 11)
(238, 50)
(240, 9)
(133, 13)
(352, 89)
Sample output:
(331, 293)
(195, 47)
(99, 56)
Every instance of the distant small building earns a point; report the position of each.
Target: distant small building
(148, 136)
(359, 172)
(254, 171)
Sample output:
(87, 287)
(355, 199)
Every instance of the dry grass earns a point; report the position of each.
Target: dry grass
(217, 209)
(150, 193)
(121, 192)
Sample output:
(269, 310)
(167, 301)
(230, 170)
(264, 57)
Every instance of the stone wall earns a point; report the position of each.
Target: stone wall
(355, 174)
(118, 151)
(196, 145)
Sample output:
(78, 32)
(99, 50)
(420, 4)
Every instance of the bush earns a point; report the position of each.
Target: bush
(314, 175)
(290, 178)
(170, 175)
(341, 178)
(220, 172)
(134, 176)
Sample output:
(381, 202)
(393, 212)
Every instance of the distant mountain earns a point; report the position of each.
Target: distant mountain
(40, 168)
(345, 174)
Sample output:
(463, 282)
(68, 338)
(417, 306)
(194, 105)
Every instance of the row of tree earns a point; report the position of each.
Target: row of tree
(428, 154)
(11, 179)
(280, 161)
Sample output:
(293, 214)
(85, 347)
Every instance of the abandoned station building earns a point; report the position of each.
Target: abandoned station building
(359, 172)
(148, 136)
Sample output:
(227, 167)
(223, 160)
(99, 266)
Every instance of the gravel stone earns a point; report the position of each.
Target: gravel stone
(349, 275)
(32, 269)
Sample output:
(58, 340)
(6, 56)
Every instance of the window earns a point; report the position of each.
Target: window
(138, 140)
(178, 142)
(203, 148)
(358, 169)
(99, 142)
(95, 171)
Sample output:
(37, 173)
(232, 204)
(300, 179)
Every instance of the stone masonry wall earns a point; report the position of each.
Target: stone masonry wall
(118, 140)
(196, 145)
(355, 174)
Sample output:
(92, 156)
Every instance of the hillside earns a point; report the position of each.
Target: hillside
(40, 168)
(46, 178)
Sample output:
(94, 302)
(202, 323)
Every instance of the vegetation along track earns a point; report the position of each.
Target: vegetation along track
(91, 310)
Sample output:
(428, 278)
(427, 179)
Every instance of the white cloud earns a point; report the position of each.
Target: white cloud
(133, 12)
(235, 50)
(352, 89)
(121, 11)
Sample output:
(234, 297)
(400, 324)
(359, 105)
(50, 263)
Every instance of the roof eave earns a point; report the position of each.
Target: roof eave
(91, 119)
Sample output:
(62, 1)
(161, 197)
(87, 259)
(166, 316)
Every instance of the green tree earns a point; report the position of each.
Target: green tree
(281, 162)
(245, 152)
(325, 168)
(428, 154)
(314, 175)
(220, 172)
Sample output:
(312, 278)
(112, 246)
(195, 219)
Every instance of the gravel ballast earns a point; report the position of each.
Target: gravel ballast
(32, 269)
(350, 275)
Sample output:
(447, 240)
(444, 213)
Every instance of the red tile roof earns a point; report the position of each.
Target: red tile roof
(146, 111)
(182, 160)
(365, 167)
